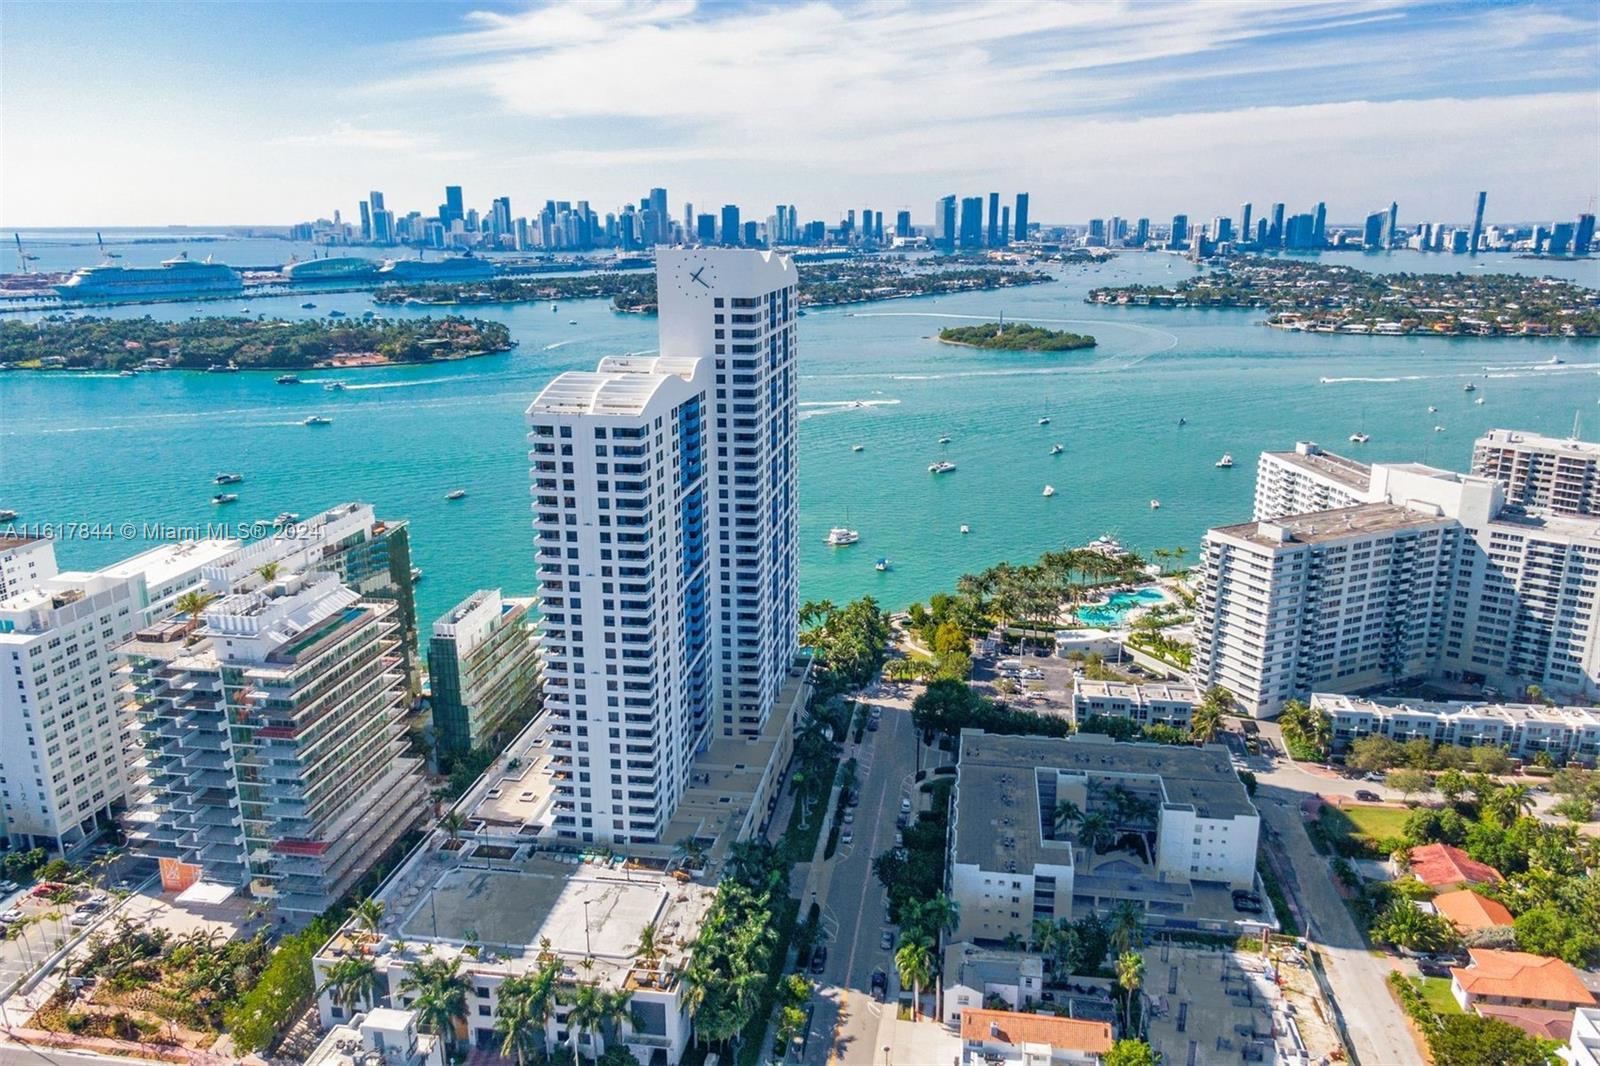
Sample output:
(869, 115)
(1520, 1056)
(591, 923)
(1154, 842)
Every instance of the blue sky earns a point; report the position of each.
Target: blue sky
(135, 113)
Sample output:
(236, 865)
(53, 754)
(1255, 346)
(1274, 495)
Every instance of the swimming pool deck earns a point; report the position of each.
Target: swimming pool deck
(1112, 611)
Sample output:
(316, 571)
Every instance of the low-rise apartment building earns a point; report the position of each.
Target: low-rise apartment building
(1007, 1038)
(1522, 729)
(1179, 816)
(380, 1036)
(1163, 703)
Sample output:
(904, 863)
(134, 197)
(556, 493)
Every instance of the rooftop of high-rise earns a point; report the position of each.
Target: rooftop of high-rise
(1569, 445)
(1337, 524)
(1310, 457)
(620, 385)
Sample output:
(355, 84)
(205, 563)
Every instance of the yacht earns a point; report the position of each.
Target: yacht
(572, 322)
(7, 515)
(228, 479)
(965, 529)
(335, 314)
(416, 574)
(1155, 505)
(1432, 409)
(1055, 449)
(318, 420)
(287, 379)
(944, 440)
(1049, 490)
(286, 518)
(456, 494)
(943, 466)
(225, 497)
(1045, 421)
(839, 536)
(127, 373)
(1226, 462)
(1479, 400)
(857, 447)
(1360, 438)
(1438, 429)
(881, 565)
(1469, 387)
(1183, 421)
(334, 386)
(308, 307)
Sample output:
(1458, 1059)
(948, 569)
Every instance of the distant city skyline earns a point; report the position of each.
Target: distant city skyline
(266, 114)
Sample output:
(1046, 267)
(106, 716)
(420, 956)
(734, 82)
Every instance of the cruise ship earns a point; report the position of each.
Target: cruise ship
(333, 269)
(179, 276)
(460, 268)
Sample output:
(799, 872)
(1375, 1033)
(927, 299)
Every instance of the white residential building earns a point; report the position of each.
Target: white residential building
(1156, 704)
(24, 562)
(664, 513)
(1435, 578)
(62, 766)
(380, 1037)
(1559, 476)
(1583, 1047)
(1523, 729)
(1012, 859)
(1308, 479)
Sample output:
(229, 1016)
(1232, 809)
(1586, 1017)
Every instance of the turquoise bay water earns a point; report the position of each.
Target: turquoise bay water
(87, 448)
(1117, 606)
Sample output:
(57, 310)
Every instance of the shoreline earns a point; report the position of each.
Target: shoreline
(1030, 351)
(113, 372)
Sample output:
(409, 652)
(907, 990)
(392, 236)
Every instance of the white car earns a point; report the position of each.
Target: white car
(81, 919)
(13, 915)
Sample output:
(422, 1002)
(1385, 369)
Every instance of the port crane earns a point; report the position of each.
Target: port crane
(23, 256)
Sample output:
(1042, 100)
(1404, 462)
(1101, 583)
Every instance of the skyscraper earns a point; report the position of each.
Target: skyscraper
(994, 220)
(1275, 228)
(705, 229)
(671, 599)
(902, 224)
(1245, 232)
(663, 221)
(730, 224)
(483, 670)
(1180, 231)
(1005, 224)
(944, 224)
(1583, 236)
(1372, 232)
(1141, 233)
(1319, 226)
(1476, 237)
(366, 221)
(971, 221)
(1022, 216)
(451, 211)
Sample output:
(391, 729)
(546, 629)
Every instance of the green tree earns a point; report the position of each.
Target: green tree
(1508, 803)
(1205, 722)
(1130, 1053)
(1130, 978)
(354, 980)
(441, 990)
(1552, 930)
(1373, 754)
(191, 603)
(526, 1002)
(1451, 785)
(369, 915)
(1126, 928)
(1403, 925)
(1408, 782)
(1469, 1040)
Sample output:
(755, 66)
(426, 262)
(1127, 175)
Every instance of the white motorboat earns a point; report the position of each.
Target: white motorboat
(1155, 505)
(966, 529)
(318, 420)
(1049, 490)
(857, 447)
(225, 497)
(943, 466)
(944, 440)
(1469, 387)
(1056, 449)
(1044, 421)
(881, 565)
(1225, 463)
(1360, 438)
(1432, 409)
(839, 536)
(1438, 429)
(1479, 400)
(456, 494)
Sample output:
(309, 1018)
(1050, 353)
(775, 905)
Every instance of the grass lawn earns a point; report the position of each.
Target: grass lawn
(1369, 824)
(1436, 990)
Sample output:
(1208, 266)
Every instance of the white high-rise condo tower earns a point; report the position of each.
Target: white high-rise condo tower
(664, 517)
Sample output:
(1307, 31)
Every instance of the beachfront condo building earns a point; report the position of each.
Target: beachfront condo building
(1308, 479)
(63, 771)
(24, 562)
(664, 518)
(1522, 729)
(1185, 832)
(1558, 476)
(483, 670)
(273, 735)
(1433, 577)
(1161, 703)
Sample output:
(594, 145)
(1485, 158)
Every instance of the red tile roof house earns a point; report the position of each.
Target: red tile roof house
(1470, 911)
(1441, 866)
(1012, 1037)
(1532, 992)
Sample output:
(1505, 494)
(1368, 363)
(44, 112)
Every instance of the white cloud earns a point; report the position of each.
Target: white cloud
(346, 135)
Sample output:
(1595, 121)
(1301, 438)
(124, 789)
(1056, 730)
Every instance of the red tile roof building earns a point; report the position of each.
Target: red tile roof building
(1442, 866)
(1470, 911)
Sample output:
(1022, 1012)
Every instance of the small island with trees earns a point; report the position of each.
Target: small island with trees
(141, 344)
(1015, 337)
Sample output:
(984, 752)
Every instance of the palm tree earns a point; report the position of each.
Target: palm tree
(615, 1010)
(1127, 926)
(1205, 722)
(191, 603)
(1065, 814)
(915, 963)
(1095, 831)
(942, 915)
(587, 1009)
(648, 950)
(441, 990)
(1508, 803)
(268, 572)
(515, 1021)
(1130, 977)
(1042, 935)
(369, 915)
(354, 979)
(452, 823)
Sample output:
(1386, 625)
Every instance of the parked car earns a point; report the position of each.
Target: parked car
(886, 940)
(1429, 968)
(847, 836)
(7, 886)
(1247, 906)
(905, 804)
(880, 985)
(819, 958)
(853, 797)
(849, 816)
(81, 919)
(872, 725)
(12, 915)
(1366, 795)
(899, 839)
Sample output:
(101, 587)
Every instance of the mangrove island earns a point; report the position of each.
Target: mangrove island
(1015, 337)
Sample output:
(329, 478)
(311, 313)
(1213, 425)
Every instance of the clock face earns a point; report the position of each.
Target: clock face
(696, 277)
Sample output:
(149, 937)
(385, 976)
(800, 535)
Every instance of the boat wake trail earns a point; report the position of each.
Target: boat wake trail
(1345, 381)
(817, 408)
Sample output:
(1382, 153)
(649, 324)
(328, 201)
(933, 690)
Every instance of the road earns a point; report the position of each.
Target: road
(846, 1025)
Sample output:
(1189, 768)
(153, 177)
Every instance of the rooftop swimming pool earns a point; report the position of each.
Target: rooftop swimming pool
(1109, 615)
